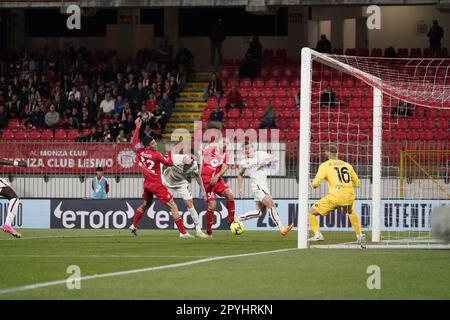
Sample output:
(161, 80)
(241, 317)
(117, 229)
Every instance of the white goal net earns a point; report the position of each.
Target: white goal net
(389, 119)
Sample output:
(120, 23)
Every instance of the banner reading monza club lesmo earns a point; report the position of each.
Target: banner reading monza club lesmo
(69, 158)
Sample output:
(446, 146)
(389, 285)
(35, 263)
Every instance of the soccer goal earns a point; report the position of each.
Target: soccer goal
(389, 119)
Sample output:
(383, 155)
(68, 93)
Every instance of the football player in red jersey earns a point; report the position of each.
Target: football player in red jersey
(213, 168)
(149, 160)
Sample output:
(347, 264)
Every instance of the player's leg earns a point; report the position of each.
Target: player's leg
(194, 214)
(272, 209)
(148, 199)
(354, 220)
(252, 214)
(11, 195)
(210, 213)
(221, 188)
(321, 207)
(177, 218)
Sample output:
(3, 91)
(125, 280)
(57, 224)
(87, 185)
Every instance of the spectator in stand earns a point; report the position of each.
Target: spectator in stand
(214, 88)
(71, 104)
(106, 107)
(127, 112)
(100, 185)
(403, 108)
(119, 105)
(185, 58)
(215, 119)
(94, 136)
(328, 98)
(166, 49)
(3, 117)
(36, 118)
(74, 119)
(87, 92)
(435, 35)
(129, 125)
(52, 117)
(114, 127)
(166, 105)
(13, 107)
(268, 117)
(147, 132)
(156, 122)
(91, 107)
(255, 48)
(121, 138)
(234, 100)
(60, 106)
(217, 36)
(76, 93)
(323, 45)
(390, 53)
(145, 114)
(66, 84)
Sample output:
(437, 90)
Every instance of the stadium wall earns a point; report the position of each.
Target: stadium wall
(281, 188)
(397, 215)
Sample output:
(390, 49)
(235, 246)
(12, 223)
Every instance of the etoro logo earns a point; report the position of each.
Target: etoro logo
(125, 158)
(83, 219)
(162, 218)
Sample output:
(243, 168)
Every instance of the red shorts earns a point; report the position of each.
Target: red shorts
(160, 192)
(218, 188)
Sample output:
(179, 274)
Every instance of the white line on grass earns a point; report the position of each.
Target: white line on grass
(121, 273)
(95, 256)
(50, 237)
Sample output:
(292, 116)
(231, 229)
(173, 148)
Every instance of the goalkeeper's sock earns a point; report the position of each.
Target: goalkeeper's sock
(194, 216)
(230, 208)
(250, 215)
(355, 223)
(275, 218)
(180, 226)
(137, 217)
(12, 209)
(313, 223)
(209, 221)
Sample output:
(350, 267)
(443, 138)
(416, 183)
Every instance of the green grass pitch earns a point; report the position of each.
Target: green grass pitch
(44, 255)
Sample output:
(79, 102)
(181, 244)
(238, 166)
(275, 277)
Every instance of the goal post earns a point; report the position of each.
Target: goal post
(372, 138)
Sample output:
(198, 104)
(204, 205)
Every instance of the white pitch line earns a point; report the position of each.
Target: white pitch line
(51, 237)
(95, 256)
(120, 273)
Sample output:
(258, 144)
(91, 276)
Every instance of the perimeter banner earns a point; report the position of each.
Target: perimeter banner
(69, 158)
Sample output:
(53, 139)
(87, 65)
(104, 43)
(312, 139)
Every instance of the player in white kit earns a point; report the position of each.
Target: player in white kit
(8, 192)
(255, 165)
(178, 180)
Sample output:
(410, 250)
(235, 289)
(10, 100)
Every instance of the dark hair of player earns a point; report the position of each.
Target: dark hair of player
(146, 141)
(99, 169)
(333, 149)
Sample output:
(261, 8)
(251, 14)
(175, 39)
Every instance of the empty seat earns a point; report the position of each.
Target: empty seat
(60, 135)
(21, 135)
(13, 124)
(7, 134)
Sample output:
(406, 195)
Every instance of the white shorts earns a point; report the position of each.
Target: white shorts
(4, 183)
(183, 192)
(259, 192)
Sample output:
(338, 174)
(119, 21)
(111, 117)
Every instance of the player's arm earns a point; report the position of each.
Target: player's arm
(167, 160)
(199, 180)
(240, 181)
(354, 178)
(135, 139)
(14, 163)
(270, 158)
(321, 175)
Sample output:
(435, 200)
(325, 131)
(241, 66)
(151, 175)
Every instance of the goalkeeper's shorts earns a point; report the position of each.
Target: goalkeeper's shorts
(329, 203)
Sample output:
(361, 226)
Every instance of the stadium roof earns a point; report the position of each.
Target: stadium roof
(205, 3)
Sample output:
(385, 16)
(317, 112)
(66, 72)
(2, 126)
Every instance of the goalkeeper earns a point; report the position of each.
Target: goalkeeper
(341, 179)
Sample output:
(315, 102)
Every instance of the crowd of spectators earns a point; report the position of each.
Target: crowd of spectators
(93, 92)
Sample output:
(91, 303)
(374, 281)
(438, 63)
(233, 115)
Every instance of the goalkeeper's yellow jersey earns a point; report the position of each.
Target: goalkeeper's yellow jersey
(341, 179)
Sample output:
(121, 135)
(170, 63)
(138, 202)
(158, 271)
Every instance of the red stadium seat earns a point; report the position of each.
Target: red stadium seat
(47, 135)
(242, 124)
(21, 135)
(60, 135)
(34, 135)
(13, 124)
(7, 134)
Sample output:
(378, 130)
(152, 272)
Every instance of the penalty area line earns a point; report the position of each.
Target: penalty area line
(121, 273)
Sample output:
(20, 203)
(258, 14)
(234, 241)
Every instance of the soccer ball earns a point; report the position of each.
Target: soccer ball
(440, 223)
(237, 228)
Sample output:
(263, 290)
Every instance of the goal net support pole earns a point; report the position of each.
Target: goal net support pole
(307, 56)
